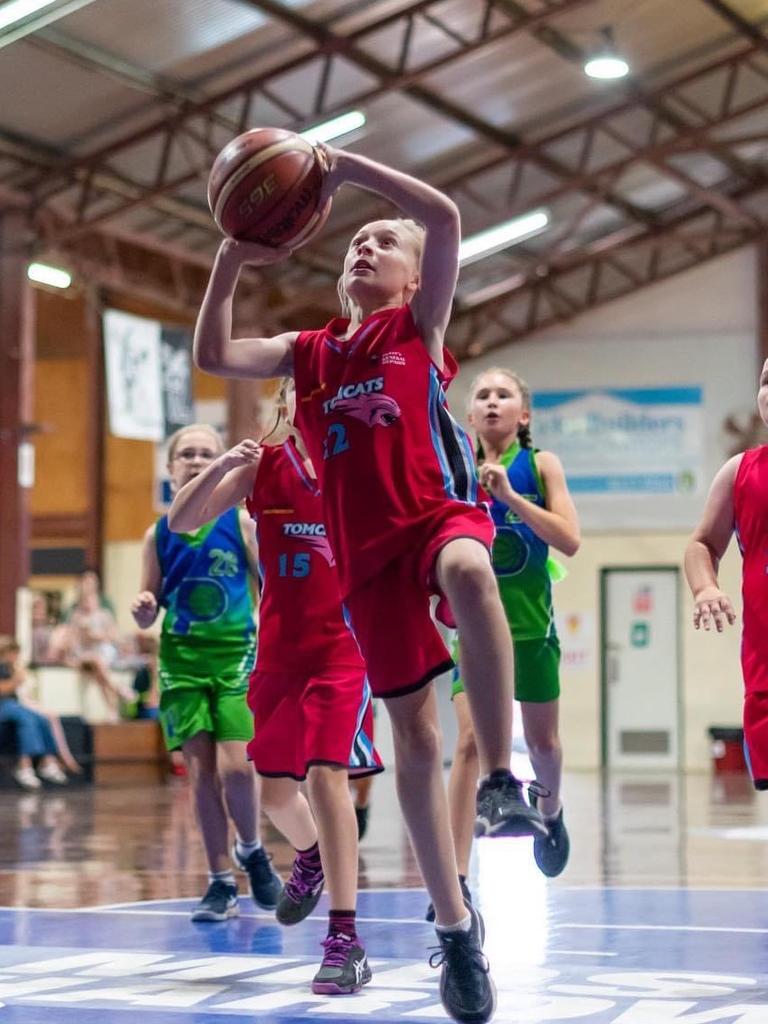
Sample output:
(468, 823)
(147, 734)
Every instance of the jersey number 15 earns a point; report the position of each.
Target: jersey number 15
(296, 566)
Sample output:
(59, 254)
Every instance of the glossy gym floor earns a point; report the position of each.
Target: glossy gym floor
(661, 915)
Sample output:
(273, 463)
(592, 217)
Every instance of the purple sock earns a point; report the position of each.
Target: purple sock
(342, 921)
(310, 858)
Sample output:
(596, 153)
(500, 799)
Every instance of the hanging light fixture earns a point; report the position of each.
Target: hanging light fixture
(44, 273)
(606, 63)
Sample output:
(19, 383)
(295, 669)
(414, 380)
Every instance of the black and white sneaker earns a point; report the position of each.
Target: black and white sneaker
(551, 851)
(344, 969)
(430, 914)
(502, 810)
(467, 991)
(266, 884)
(300, 894)
(219, 903)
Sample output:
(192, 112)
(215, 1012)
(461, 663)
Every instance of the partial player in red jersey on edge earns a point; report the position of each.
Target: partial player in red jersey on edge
(310, 698)
(400, 503)
(738, 503)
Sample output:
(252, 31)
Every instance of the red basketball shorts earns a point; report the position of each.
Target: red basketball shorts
(300, 721)
(390, 613)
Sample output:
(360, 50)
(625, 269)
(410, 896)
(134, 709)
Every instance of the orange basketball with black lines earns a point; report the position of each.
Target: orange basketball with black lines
(265, 186)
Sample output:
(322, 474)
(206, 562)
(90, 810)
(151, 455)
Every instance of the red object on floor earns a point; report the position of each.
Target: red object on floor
(728, 750)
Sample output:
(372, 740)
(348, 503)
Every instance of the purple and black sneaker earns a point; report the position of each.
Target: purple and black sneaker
(344, 969)
(300, 893)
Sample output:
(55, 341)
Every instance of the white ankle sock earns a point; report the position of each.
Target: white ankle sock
(461, 926)
(245, 850)
(228, 877)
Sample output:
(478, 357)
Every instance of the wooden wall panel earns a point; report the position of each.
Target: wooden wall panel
(61, 329)
(61, 446)
(128, 478)
(206, 387)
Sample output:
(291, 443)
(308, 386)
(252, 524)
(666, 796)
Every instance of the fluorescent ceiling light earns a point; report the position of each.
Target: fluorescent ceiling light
(15, 10)
(336, 127)
(20, 18)
(495, 239)
(42, 273)
(606, 66)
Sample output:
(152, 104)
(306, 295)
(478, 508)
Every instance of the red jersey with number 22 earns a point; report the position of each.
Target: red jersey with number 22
(391, 460)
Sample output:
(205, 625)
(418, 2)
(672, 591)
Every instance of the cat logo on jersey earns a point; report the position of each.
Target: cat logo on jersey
(374, 410)
(364, 401)
(313, 534)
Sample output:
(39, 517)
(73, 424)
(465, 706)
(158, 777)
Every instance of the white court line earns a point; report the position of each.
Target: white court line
(126, 909)
(663, 928)
(135, 909)
(553, 889)
(192, 899)
(263, 917)
(649, 888)
(47, 910)
(98, 908)
(580, 952)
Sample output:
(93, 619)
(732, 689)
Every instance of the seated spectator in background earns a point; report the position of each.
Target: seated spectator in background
(34, 736)
(89, 639)
(89, 585)
(43, 628)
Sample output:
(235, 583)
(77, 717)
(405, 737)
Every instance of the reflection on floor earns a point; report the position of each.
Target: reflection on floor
(659, 918)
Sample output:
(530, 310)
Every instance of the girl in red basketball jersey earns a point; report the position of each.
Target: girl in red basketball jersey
(738, 502)
(399, 496)
(309, 693)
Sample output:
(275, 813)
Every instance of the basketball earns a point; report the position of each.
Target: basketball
(264, 187)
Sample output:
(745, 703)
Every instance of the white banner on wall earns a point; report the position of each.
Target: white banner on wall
(642, 445)
(134, 376)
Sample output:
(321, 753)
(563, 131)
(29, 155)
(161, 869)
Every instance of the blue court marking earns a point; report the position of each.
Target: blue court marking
(596, 956)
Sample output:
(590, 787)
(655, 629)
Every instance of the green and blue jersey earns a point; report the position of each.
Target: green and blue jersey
(206, 593)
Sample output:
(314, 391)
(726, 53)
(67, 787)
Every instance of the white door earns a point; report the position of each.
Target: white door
(640, 661)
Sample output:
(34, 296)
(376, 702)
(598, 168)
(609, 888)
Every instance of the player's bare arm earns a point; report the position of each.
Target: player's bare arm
(708, 544)
(214, 348)
(223, 484)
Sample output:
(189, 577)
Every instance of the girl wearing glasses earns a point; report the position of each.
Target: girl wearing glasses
(203, 580)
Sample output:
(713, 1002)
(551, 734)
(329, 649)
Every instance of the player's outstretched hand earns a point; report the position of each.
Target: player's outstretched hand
(712, 605)
(243, 454)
